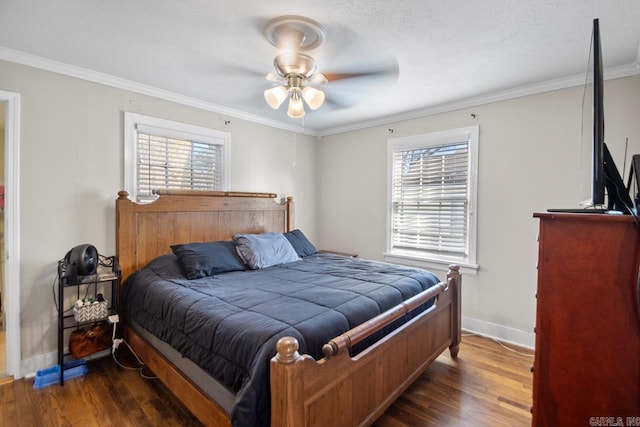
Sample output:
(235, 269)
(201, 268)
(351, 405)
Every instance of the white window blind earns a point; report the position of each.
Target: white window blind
(172, 163)
(162, 154)
(430, 199)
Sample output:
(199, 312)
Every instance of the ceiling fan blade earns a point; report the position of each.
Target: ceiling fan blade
(336, 103)
(272, 77)
(318, 79)
(357, 88)
(222, 71)
(349, 56)
(333, 77)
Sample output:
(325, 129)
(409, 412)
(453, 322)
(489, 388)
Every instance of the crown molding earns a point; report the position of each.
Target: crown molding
(132, 86)
(517, 92)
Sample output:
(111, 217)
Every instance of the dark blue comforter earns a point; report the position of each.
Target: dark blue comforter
(229, 324)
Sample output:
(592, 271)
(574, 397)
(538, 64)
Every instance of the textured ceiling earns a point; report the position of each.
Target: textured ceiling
(214, 52)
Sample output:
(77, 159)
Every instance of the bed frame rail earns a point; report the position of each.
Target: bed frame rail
(306, 392)
(361, 332)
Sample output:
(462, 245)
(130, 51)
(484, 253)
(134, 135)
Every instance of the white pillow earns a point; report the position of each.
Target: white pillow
(264, 250)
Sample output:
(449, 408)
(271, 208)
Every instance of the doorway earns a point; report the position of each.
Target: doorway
(3, 335)
(10, 256)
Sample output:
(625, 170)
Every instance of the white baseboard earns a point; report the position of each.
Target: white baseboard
(29, 367)
(499, 332)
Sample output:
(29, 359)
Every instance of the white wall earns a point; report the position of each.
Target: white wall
(72, 168)
(529, 160)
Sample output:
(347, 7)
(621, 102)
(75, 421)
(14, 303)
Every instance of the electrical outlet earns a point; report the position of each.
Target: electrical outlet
(114, 318)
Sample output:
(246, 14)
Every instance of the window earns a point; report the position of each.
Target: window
(432, 199)
(161, 154)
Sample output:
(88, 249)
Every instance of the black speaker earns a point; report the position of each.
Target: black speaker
(82, 260)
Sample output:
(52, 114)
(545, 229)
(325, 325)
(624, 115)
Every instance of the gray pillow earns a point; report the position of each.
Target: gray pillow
(264, 250)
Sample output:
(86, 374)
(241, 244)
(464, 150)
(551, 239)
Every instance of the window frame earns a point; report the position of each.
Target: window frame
(171, 129)
(426, 140)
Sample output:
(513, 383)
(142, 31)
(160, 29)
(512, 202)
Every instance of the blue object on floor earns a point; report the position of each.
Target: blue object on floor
(51, 375)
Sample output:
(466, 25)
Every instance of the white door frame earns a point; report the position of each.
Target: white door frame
(12, 233)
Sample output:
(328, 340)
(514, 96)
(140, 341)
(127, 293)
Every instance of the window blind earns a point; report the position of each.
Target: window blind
(430, 201)
(165, 162)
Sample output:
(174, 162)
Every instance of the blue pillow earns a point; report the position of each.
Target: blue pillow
(264, 250)
(202, 259)
(300, 243)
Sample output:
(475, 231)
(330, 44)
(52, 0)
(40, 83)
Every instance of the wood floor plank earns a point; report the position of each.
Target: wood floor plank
(7, 405)
(486, 386)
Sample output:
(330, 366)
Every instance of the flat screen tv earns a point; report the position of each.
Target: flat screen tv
(606, 181)
(597, 187)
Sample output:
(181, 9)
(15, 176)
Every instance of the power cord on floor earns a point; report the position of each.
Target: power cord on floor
(470, 334)
(116, 343)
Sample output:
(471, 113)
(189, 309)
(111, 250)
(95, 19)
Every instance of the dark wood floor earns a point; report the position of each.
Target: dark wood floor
(486, 386)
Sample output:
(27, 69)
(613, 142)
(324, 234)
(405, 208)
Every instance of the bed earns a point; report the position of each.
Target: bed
(347, 374)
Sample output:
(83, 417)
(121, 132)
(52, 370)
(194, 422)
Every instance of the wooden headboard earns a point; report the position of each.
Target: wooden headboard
(146, 231)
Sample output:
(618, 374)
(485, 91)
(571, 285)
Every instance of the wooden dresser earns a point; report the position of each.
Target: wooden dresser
(587, 362)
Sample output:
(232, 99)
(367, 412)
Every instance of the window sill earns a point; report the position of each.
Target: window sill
(430, 263)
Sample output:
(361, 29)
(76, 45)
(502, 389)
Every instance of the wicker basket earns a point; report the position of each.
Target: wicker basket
(96, 310)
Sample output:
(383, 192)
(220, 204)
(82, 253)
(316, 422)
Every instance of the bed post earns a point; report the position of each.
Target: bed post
(124, 239)
(287, 385)
(290, 214)
(453, 279)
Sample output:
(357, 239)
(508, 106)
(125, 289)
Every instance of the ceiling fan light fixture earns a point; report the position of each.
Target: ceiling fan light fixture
(294, 63)
(296, 106)
(293, 68)
(313, 97)
(276, 96)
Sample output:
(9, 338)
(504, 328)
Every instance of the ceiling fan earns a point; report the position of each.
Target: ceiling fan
(295, 72)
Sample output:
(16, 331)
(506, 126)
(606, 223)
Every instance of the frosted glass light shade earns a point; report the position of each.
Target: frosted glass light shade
(313, 97)
(276, 96)
(296, 107)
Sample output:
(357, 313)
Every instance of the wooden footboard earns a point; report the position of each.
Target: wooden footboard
(351, 391)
